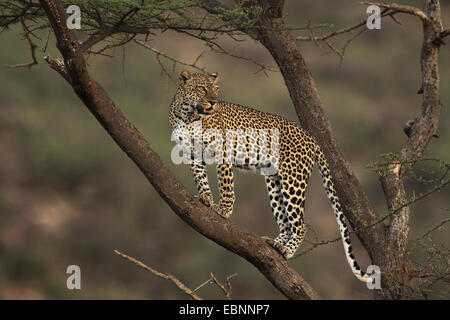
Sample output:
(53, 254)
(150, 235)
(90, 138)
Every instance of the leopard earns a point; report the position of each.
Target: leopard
(285, 158)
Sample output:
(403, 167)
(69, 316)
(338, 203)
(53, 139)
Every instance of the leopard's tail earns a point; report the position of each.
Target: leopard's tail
(332, 196)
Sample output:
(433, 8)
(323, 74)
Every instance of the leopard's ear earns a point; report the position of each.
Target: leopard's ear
(184, 76)
(214, 77)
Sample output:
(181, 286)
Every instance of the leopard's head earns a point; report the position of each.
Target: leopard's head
(196, 96)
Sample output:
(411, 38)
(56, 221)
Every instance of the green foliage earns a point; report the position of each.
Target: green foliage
(382, 167)
(124, 19)
(139, 16)
(11, 12)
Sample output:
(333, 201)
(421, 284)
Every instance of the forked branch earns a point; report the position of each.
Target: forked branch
(400, 8)
(162, 275)
(32, 49)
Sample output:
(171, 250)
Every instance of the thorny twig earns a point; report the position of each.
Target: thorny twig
(427, 233)
(326, 38)
(32, 48)
(226, 289)
(175, 61)
(46, 42)
(316, 242)
(166, 276)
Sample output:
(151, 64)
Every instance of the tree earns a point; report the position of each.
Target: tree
(384, 236)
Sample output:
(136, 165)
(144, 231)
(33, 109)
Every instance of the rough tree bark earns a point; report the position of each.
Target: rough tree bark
(425, 126)
(187, 207)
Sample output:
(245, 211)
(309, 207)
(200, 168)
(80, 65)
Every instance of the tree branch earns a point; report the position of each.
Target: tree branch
(170, 58)
(350, 29)
(423, 129)
(226, 290)
(227, 234)
(401, 8)
(444, 33)
(332, 34)
(96, 38)
(32, 48)
(57, 64)
(166, 276)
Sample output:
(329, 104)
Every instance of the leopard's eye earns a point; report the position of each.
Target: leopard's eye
(201, 89)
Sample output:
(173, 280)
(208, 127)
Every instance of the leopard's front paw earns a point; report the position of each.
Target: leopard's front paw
(274, 243)
(268, 240)
(207, 200)
(224, 212)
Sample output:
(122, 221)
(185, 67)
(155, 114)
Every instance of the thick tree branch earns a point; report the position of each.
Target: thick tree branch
(422, 131)
(186, 206)
(426, 124)
(96, 38)
(57, 64)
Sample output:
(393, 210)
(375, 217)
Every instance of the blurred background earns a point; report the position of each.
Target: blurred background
(69, 195)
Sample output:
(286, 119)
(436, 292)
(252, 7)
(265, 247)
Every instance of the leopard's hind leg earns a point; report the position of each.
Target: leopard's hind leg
(273, 184)
(293, 188)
